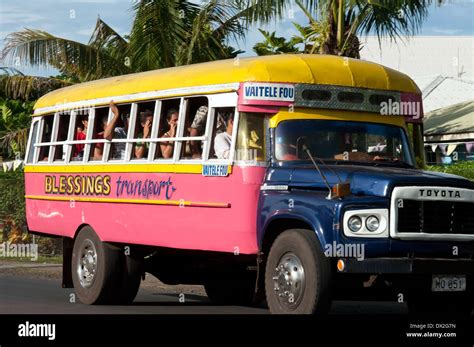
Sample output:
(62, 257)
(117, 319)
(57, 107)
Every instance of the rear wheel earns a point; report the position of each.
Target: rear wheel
(95, 268)
(298, 274)
(102, 273)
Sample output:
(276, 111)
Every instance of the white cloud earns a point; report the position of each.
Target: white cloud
(446, 31)
(15, 15)
(93, 1)
(85, 32)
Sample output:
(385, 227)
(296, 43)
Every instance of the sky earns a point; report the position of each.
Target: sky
(75, 20)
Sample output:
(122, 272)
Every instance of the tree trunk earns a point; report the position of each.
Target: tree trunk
(331, 44)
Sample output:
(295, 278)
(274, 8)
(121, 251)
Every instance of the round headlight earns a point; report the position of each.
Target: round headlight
(372, 223)
(354, 223)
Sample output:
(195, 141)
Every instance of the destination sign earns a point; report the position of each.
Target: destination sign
(268, 92)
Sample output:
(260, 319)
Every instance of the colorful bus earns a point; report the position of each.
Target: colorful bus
(291, 178)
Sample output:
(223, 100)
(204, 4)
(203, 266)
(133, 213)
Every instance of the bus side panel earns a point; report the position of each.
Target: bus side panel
(193, 211)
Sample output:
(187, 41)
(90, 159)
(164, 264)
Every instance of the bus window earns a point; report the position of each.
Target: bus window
(221, 139)
(167, 128)
(80, 134)
(31, 149)
(194, 126)
(100, 122)
(251, 137)
(63, 128)
(142, 129)
(117, 149)
(46, 137)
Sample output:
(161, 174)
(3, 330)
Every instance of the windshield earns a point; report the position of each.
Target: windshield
(342, 141)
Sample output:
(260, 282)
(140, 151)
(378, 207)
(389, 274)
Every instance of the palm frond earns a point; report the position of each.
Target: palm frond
(262, 11)
(39, 48)
(14, 141)
(212, 26)
(392, 18)
(30, 87)
(104, 35)
(159, 28)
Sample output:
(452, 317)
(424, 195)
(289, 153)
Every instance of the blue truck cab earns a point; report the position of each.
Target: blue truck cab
(347, 212)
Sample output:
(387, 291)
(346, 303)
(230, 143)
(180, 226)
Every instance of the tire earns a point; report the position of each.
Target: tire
(131, 273)
(297, 253)
(440, 303)
(232, 292)
(96, 271)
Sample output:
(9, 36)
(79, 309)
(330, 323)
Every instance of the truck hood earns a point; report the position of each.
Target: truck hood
(364, 180)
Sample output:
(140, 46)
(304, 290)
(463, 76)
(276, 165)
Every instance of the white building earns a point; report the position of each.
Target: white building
(424, 57)
(443, 68)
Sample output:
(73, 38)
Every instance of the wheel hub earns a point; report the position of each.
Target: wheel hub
(87, 264)
(289, 279)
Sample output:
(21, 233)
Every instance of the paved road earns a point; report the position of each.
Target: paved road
(24, 295)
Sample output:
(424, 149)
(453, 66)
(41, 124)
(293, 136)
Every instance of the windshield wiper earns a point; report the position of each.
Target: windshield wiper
(339, 190)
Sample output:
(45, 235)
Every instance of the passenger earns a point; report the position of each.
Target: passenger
(81, 134)
(99, 147)
(146, 121)
(198, 127)
(167, 147)
(113, 132)
(223, 141)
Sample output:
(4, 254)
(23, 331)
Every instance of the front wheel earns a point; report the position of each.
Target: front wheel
(298, 275)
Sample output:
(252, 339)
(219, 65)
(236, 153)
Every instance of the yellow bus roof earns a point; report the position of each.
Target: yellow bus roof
(289, 68)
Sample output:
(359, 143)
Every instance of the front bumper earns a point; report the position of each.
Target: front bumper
(460, 266)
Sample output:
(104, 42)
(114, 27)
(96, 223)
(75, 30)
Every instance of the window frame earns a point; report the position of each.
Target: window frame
(30, 146)
(215, 101)
(55, 134)
(40, 144)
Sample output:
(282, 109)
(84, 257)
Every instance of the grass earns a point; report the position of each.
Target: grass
(58, 259)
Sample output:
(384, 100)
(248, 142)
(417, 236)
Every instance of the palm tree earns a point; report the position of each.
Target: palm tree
(340, 23)
(165, 33)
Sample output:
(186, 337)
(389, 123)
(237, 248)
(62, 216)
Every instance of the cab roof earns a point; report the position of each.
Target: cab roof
(284, 68)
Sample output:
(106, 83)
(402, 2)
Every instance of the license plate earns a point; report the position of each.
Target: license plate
(448, 284)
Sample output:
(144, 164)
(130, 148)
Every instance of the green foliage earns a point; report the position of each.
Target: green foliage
(15, 119)
(12, 200)
(274, 44)
(13, 214)
(461, 168)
